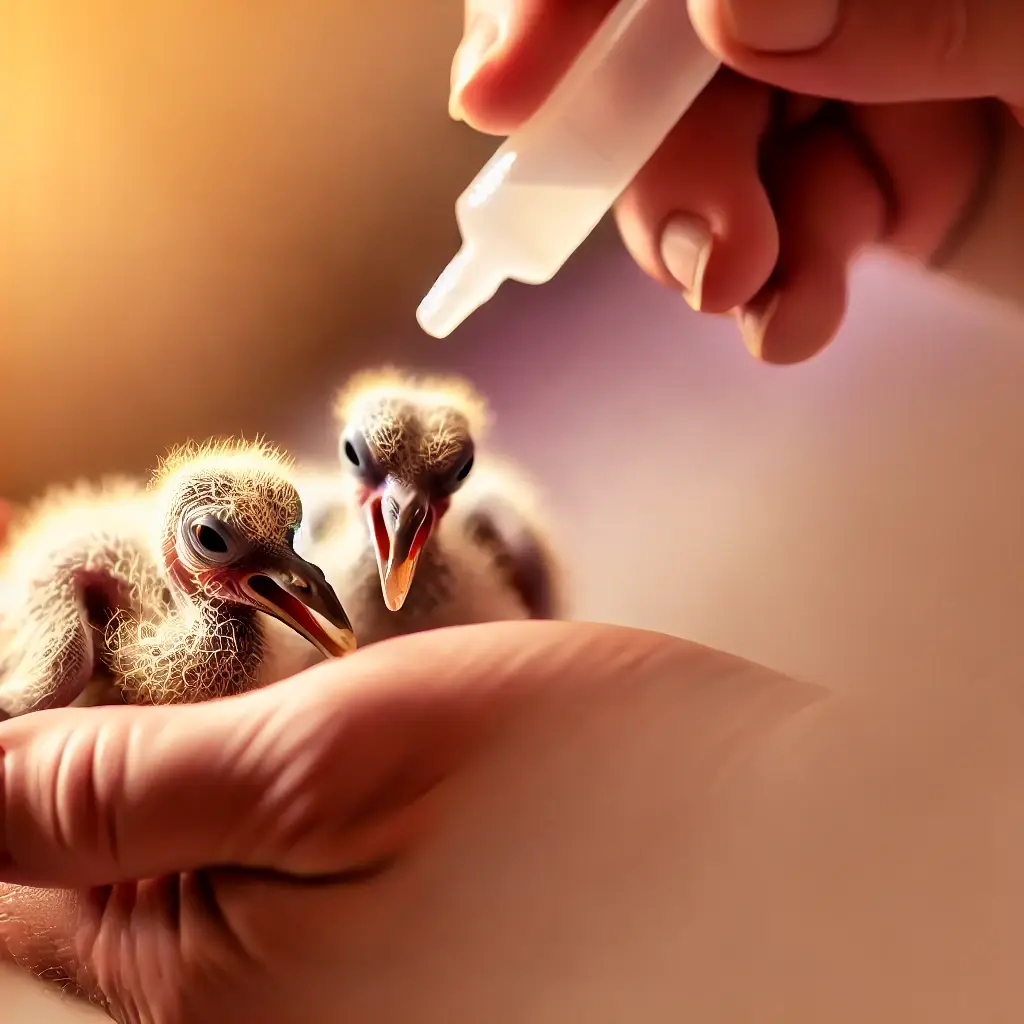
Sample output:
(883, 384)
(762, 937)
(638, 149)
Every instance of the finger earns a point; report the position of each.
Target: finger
(316, 775)
(802, 307)
(872, 50)
(912, 141)
(512, 54)
(697, 218)
(920, 208)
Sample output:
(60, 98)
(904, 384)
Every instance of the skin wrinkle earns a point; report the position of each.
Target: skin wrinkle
(831, 114)
(60, 800)
(286, 800)
(875, 166)
(202, 890)
(785, 127)
(115, 931)
(970, 213)
(114, 782)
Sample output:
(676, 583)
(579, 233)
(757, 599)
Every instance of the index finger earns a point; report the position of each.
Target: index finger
(328, 772)
(314, 776)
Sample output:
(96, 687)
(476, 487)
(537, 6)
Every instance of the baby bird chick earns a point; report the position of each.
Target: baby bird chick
(446, 538)
(157, 595)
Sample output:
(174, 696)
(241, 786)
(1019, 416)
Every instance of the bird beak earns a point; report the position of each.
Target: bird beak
(401, 520)
(292, 589)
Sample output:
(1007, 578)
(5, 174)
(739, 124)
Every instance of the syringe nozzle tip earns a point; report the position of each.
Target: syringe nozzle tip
(463, 287)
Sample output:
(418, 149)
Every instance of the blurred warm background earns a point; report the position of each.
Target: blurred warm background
(211, 213)
(205, 207)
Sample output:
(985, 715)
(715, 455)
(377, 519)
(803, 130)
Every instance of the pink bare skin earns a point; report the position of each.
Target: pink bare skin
(789, 189)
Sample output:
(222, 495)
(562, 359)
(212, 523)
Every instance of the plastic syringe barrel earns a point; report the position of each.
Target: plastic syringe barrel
(547, 187)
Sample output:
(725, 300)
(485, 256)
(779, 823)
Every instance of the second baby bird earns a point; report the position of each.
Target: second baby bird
(423, 528)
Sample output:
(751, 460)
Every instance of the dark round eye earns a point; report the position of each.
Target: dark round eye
(213, 541)
(464, 469)
(355, 450)
(210, 539)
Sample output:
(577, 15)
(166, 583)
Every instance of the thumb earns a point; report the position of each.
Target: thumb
(872, 50)
(512, 54)
(319, 775)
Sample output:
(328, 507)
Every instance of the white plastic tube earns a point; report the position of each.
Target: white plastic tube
(547, 187)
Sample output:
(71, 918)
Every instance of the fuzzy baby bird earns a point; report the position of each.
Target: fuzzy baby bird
(422, 516)
(158, 595)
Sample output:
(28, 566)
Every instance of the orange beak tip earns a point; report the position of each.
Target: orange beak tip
(396, 582)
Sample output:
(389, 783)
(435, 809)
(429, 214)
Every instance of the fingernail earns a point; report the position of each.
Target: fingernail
(685, 250)
(784, 26)
(481, 36)
(754, 320)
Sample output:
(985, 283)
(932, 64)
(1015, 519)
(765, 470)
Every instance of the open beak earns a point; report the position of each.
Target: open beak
(401, 520)
(292, 590)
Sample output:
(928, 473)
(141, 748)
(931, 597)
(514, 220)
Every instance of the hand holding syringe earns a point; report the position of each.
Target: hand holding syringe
(548, 186)
(762, 195)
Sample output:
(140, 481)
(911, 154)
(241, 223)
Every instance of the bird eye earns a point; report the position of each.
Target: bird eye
(456, 475)
(355, 450)
(213, 540)
(210, 540)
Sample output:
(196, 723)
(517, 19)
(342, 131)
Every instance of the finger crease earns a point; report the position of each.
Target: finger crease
(836, 116)
(984, 184)
(875, 166)
(202, 891)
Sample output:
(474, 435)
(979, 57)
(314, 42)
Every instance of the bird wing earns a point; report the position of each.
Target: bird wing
(499, 510)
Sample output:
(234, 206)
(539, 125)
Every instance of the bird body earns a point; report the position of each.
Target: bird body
(71, 561)
(475, 545)
(160, 594)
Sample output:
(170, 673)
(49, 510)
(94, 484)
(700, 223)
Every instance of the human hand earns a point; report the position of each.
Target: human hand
(255, 858)
(764, 192)
(569, 822)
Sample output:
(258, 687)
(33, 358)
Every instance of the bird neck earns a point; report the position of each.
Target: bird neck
(234, 627)
(231, 633)
(217, 617)
(200, 650)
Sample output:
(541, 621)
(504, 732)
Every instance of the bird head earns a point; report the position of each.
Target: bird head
(230, 516)
(409, 445)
